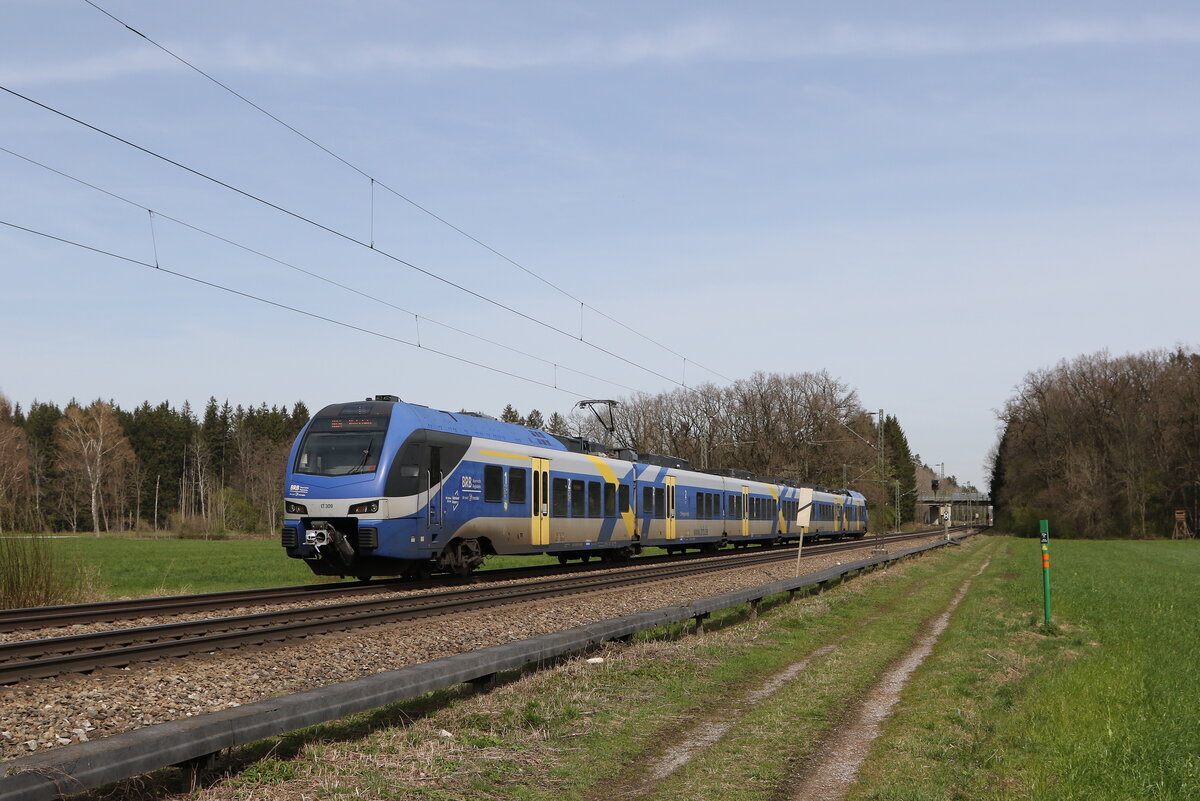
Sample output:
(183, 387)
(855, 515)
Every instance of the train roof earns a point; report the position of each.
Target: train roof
(468, 424)
(474, 424)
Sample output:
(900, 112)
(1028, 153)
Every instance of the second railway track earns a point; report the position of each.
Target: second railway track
(48, 657)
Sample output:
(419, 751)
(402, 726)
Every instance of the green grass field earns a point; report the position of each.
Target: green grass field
(130, 566)
(1104, 706)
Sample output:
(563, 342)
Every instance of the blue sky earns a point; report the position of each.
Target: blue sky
(927, 201)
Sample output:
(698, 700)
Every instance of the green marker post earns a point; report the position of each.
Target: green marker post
(1046, 566)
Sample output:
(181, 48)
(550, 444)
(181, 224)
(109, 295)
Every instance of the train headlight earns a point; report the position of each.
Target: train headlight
(295, 508)
(370, 507)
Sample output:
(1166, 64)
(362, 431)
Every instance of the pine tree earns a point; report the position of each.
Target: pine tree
(558, 425)
(510, 415)
(901, 467)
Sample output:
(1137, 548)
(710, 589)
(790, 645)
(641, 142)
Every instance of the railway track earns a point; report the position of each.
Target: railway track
(48, 657)
(102, 611)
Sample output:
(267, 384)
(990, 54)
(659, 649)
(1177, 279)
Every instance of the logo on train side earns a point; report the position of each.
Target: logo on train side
(297, 490)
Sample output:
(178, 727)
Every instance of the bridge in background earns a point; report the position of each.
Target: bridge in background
(965, 508)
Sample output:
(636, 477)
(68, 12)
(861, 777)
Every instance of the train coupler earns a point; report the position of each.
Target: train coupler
(321, 533)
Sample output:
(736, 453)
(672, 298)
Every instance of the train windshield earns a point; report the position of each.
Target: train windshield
(342, 446)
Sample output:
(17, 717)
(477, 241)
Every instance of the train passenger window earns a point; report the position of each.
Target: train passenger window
(648, 501)
(623, 498)
(493, 483)
(593, 509)
(577, 498)
(610, 500)
(516, 485)
(660, 502)
(699, 505)
(559, 506)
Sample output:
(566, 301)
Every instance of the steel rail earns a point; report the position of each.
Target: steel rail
(48, 657)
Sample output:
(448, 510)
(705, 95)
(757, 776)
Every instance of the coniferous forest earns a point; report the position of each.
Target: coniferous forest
(97, 467)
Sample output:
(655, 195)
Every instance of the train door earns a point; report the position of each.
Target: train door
(540, 527)
(670, 507)
(839, 518)
(745, 511)
(433, 506)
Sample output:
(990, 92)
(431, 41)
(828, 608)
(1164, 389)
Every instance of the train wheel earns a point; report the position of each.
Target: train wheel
(562, 558)
(363, 578)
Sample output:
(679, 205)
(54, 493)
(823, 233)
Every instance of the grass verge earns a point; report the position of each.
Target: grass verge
(1103, 705)
(33, 572)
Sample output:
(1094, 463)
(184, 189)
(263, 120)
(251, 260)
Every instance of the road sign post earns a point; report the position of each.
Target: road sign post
(1045, 526)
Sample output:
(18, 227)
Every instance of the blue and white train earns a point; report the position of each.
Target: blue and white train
(382, 487)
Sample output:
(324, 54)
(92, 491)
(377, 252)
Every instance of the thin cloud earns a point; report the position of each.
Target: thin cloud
(712, 40)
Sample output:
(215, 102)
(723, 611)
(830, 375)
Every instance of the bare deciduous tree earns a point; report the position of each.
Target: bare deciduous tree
(1108, 446)
(92, 446)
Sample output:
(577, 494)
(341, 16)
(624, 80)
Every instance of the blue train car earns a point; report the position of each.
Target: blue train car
(832, 513)
(382, 487)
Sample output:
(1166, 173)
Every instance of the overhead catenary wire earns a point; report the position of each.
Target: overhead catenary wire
(250, 296)
(302, 270)
(333, 231)
(375, 181)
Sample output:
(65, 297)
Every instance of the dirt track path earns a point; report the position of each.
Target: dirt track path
(846, 749)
